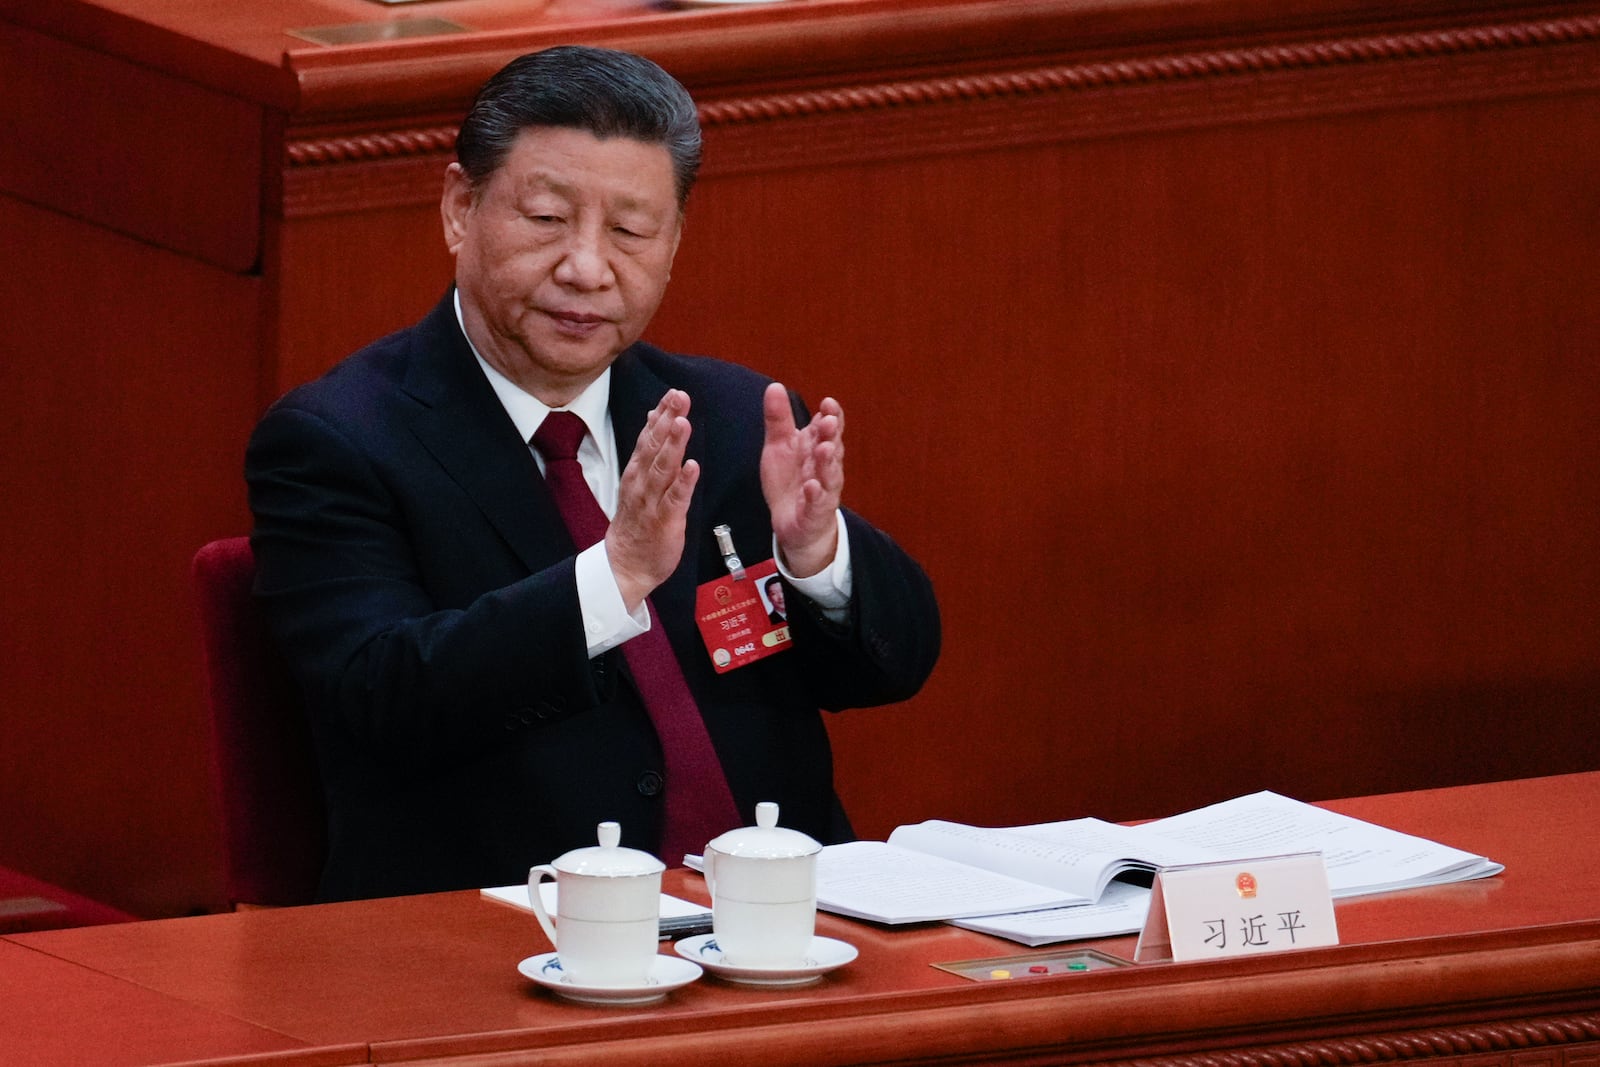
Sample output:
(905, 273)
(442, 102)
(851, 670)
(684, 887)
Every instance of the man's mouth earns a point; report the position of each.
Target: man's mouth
(576, 322)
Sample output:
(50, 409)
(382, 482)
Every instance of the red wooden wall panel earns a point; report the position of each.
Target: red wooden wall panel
(123, 434)
(1257, 455)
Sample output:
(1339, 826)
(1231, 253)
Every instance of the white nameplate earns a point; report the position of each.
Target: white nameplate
(1238, 908)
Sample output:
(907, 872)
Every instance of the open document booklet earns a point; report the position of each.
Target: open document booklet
(1055, 881)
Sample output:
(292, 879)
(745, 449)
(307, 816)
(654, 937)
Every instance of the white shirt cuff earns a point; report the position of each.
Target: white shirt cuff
(606, 621)
(829, 589)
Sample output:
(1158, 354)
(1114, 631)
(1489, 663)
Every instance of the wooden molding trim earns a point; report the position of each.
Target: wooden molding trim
(428, 141)
(1187, 66)
(1479, 1041)
(1560, 1039)
(1043, 103)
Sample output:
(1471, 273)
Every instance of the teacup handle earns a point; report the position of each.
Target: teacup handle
(708, 867)
(535, 876)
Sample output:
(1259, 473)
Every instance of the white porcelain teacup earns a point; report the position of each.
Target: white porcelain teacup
(608, 911)
(763, 884)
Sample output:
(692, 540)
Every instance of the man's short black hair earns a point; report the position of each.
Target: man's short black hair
(600, 90)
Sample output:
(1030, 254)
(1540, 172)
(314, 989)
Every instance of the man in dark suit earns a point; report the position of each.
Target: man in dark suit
(468, 664)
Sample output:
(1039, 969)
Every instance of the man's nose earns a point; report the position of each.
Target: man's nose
(584, 262)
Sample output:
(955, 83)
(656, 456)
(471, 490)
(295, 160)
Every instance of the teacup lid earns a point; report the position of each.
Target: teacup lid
(609, 859)
(766, 839)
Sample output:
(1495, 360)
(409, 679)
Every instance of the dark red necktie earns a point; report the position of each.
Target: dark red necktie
(699, 805)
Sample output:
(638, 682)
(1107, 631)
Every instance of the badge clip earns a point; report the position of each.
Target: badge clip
(730, 558)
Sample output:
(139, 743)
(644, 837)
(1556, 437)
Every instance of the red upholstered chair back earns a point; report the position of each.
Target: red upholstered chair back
(262, 761)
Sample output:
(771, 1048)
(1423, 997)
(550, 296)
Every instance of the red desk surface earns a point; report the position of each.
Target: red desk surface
(431, 976)
(54, 1013)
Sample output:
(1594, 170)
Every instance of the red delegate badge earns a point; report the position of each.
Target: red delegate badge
(743, 619)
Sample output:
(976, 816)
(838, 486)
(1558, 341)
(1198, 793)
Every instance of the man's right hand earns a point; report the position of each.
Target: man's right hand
(645, 540)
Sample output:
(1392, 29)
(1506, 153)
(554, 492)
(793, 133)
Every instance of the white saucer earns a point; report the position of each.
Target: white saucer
(824, 955)
(666, 974)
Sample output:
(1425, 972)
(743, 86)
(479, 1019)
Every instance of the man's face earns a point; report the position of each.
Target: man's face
(563, 254)
(775, 595)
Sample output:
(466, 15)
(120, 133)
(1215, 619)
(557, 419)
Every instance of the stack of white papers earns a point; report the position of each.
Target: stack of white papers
(678, 916)
(1056, 881)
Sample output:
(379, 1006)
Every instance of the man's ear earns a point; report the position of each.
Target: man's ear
(455, 204)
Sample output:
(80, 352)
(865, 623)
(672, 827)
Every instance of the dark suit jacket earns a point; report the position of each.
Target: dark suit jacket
(415, 571)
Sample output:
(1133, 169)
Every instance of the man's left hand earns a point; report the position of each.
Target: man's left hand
(802, 477)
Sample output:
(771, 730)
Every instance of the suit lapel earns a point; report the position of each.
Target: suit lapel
(635, 391)
(464, 427)
(462, 424)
